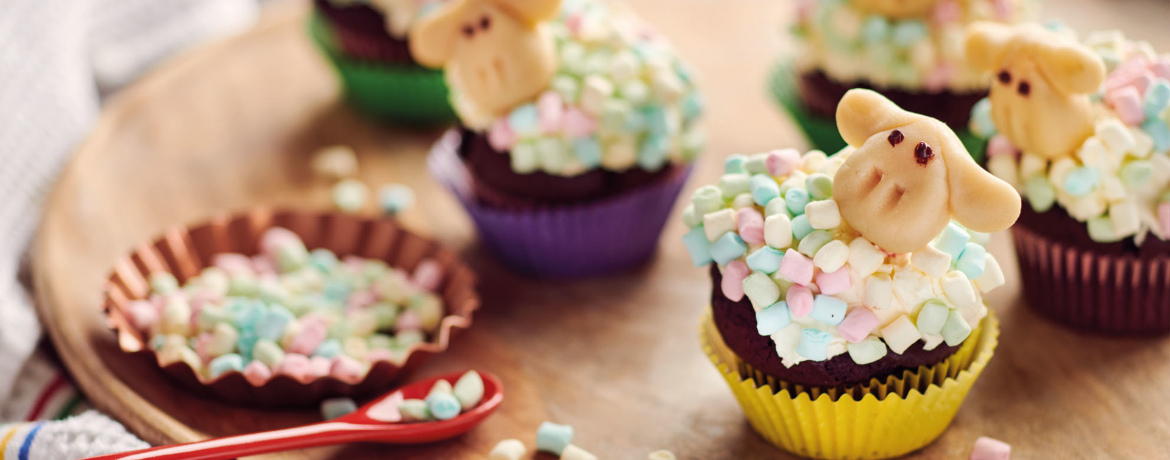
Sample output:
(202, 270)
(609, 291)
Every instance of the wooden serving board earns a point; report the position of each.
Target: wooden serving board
(232, 125)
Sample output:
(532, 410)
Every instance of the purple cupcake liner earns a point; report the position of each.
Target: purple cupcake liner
(572, 241)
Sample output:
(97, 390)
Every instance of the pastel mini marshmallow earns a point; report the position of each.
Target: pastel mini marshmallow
(990, 449)
(992, 276)
(573, 452)
(931, 261)
(834, 282)
(732, 282)
(958, 289)
(796, 267)
(778, 231)
(765, 259)
(866, 351)
(783, 162)
(832, 256)
(828, 309)
(773, 319)
(760, 290)
(865, 257)
(1032, 165)
(428, 275)
(717, 223)
(1115, 137)
(800, 300)
(955, 330)
(857, 325)
(879, 291)
(347, 369)
(900, 334)
(553, 438)
(741, 201)
(823, 215)
(932, 316)
(508, 449)
(1124, 217)
(257, 374)
(1127, 104)
(750, 224)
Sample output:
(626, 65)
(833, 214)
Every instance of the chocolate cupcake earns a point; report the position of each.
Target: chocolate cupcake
(911, 52)
(1082, 130)
(578, 125)
(366, 41)
(849, 280)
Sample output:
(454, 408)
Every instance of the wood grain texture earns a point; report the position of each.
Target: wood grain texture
(232, 125)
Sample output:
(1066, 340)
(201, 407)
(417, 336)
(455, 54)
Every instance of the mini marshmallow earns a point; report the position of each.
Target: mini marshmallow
(1115, 137)
(743, 200)
(350, 195)
(750, 224)
(931, 261)
(734, 184)
(865, 257)
(690, 218)
(468, 390)
(508, 449)
(1093, 152)
(765, 259)
(990, 449)
(760, 290)
(776, 208)
(955, 330)
(733, 164)
(828, 309)
(823, 215)
(414, 410)
(835, 282)
(335, 162)
(698, 246)
(764, 189)
(717, 223)
(163, 283)
(756, 164)
(257, 373)
(857, 325)
(552, 438)
(732, 282)
(832, 256)
(879, 291)
(972, 260)
(707, 198)
(1031, 165)
(801, 227)
(728, 248)
(230, 362)
(1135, 174)
(952, 240)
(781, 163)
(772, 319)
(347, 369)
(958, 289)
(796, 268)
(814, 241)
(932, 316)
(796, 199)
(778, 231)
(1124, 217)
(662, 455)
(443, 406)
(1127, 104)
(336, 407)
(1040, 193)
(866, 351)
(572, 452)
(900, 334)
(820, 186)
(814, 344)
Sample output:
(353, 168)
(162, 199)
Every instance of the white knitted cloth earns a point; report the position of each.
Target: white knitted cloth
(57, 59)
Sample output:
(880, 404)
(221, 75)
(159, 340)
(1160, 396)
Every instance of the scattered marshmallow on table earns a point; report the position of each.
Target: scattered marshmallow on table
(508, 449)
(553, 438)
(572, 452)
(337, 407)
(350, 195)
(990, 449)
(335, 162)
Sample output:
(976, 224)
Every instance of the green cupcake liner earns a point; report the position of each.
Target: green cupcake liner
(822, 132)
(400, 93)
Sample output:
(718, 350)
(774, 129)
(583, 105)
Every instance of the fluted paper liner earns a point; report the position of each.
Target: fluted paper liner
(184, 251)
(881, 419)
(1092, 291)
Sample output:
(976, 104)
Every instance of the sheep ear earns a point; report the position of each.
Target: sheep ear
(432, 39)
(1072, 68)
(531, 11)
(863, 113)
(986, 43)
(978, 200)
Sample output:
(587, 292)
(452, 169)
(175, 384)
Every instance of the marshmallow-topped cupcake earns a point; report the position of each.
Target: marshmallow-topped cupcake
(1082, 130)
(563, 104)
(846, 271)
(910, 51)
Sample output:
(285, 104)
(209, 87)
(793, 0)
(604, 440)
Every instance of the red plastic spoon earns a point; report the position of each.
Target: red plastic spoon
(372, 422)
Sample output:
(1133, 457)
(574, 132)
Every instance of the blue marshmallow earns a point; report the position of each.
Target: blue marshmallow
(653, 152)
(587, 150)
(225, 363)
(907, 33)
(972, 260)
(981, 124)
(692, 106)
(698, 246)
(443, 406)
(828, 309)
(553, 438)
(1158, 130)
(764, 189)
(796, 199)
(800, 227)
(272, 323)
(766, 260)
(814, 344)
(952, 240)
(773, 318)
(1079, 182)
(733, 164)
(525, 120)
(875, 29)
(1157, 98)
(728, 248)
(337, 407)
(328, 349)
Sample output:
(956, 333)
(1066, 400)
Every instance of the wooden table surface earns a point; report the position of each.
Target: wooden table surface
(232, 125)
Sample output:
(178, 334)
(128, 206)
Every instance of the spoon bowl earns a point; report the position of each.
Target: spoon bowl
(377, 421)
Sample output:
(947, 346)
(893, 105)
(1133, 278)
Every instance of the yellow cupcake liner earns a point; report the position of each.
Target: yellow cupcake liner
(880, 419)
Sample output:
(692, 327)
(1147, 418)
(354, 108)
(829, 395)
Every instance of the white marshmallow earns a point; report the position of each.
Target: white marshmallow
(594, 93)
(864, 257)
(778, 231)
(1032, 165)
(508, 449)
(900, 334)
(931, 261)
(832, 256)
(992, 276)
(715, 224)
(958, 289)
(823, 215)
(576, 453)
(1116, 137)
(1143, 144)
(1112, 189)
(1086, 207)
(1093, 152)
(879, 291)
(1124, 217)
(1060, 168)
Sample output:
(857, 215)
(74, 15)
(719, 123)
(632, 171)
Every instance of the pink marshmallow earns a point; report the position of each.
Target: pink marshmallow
(1161, 69)
(1164, 217)
(386, 410)
(276, 238)
(946, 11)
(834, 283)
(201, 343)
(380, 354)
(501, 137)
(783, 162)
(551, 110)
(257, 373)
(733, 276)
(857, 325)
(408, 321)
(235, 264)
(311, 335)
(1003, 9)
(203, 298)
(143, 314)
(800, 300)
(294, 365)
(1127, 103)
(990, 449)
(263, 265)
(354, 263)
(936, 80)
(796, 267)
(319, 366)
(346, 369)
(1000, 145)
(751, 225)
(360, 299)
(428, 275)
(578, 123)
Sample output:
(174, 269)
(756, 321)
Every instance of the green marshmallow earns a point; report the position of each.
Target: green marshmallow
(932, 316)
(956, 329)
(385, 315)
(381, 342)
(267, 352)
(441, 387)
(813, 242)
(756, 164)
(1040, 193)
(707, 198)
(468, 390)
(163, 283)
(820, 186)
(243, 286)
(429, 308)
(414, 410)
(690, 218)
(734, 184)
(1136, 173)
(866, 351)
(760, 289)
(1101, 230)
(777, 207)
(407, 339)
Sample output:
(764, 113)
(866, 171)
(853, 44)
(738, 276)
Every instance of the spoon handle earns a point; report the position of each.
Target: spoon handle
(317, 434)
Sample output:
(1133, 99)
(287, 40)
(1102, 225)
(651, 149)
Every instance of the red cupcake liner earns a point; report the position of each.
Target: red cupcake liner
(185, 251)
(1092, 291)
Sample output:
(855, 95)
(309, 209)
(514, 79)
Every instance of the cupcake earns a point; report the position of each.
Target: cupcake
(910, 51)
(578, 127)
(1082, 130)
(366, 41)
(847, 291)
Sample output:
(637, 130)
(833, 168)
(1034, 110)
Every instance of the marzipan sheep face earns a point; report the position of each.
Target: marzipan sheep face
(910, 175)
(1039, 95)
(496, 53)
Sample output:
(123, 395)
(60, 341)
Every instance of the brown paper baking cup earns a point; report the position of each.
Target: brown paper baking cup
(184, 251)
(881, 419)
(1091, 291)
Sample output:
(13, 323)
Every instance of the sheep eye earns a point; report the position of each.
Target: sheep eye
(1004, 77)
(895, 138)
(1024, 89)
(923, 153)
(469, 31)
(484, 23)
